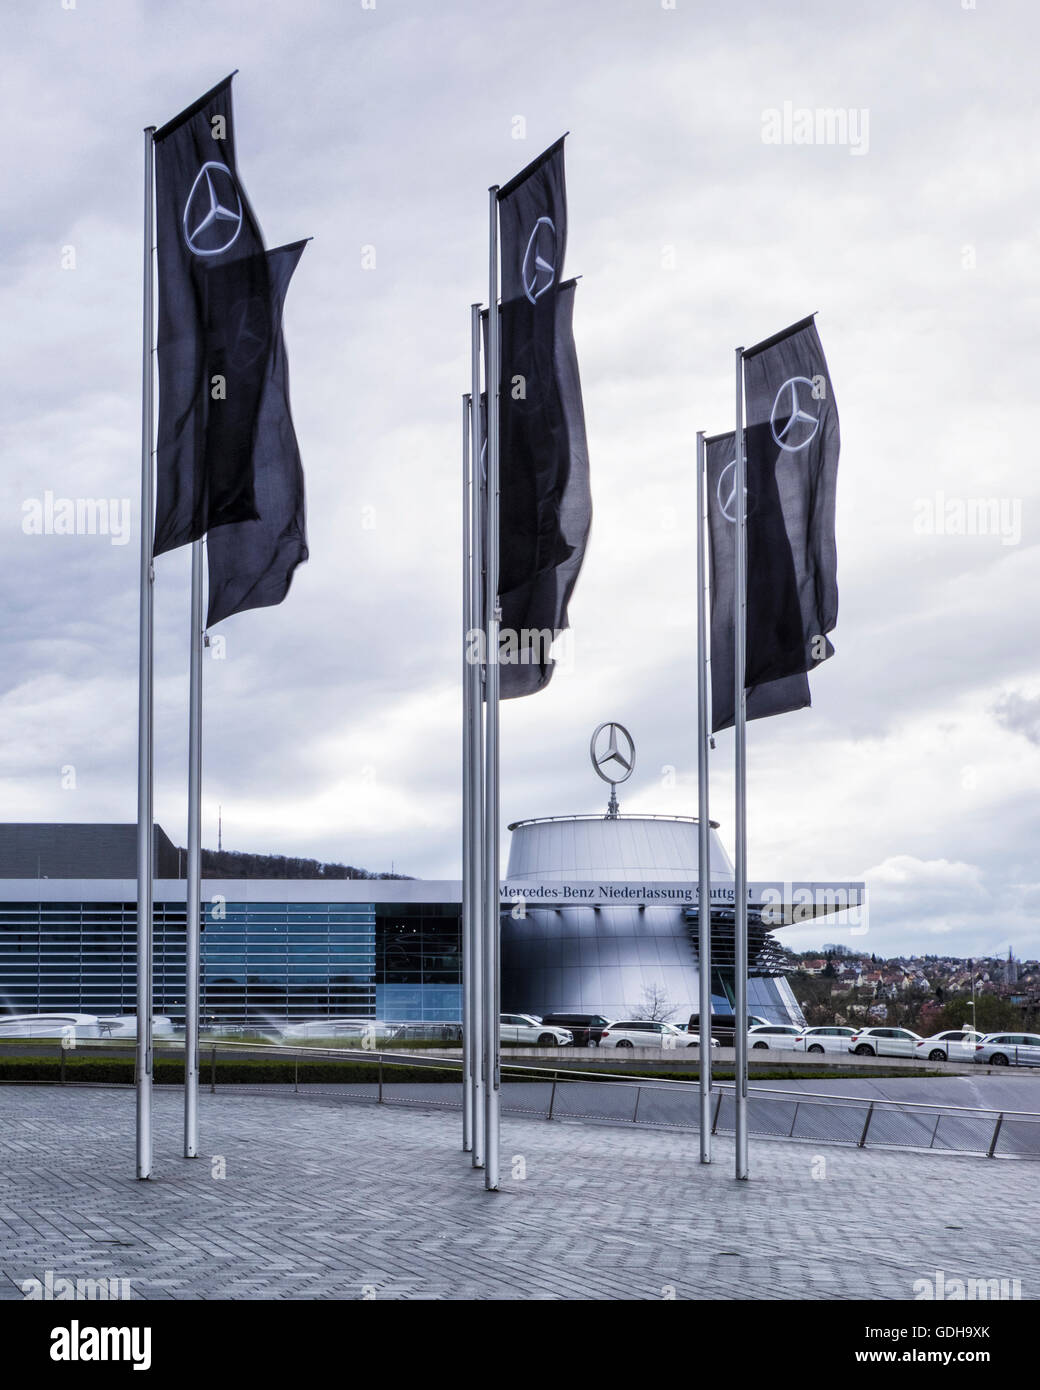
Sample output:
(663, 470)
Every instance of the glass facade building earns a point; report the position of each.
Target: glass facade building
(259, 960)
(76, 956)
(275, 950)
(419, 962)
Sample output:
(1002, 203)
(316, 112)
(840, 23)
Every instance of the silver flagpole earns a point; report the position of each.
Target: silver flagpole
(740, 926)
(145, 836)
(492, 886)
(194, 882)
(467, 784)
(703, 822)
(474, 982)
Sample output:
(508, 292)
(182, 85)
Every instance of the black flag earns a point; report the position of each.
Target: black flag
(763, 699)
(213, 340)
(545, 506)
(792, 472)
(251, 563)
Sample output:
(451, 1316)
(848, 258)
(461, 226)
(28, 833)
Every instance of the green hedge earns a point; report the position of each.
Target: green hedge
(170, 1073)
(259, 1072)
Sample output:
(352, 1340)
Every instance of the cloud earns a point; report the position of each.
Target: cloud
(332, 723)
(1020, 714)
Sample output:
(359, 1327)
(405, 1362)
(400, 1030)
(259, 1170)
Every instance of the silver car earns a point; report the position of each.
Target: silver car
(1009, 1049)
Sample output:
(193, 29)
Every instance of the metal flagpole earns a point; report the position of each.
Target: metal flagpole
(194, 882)
(492, 1048)
(740, 925)
(145, 836)
(473, 676)
(467, 785)
(703, 822)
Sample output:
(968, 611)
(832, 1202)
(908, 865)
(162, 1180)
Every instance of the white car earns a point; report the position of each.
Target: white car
(68, 1026)
(884, 1042)
(1009, 1049)
(955, 1046)
(778, 1037)
(830, 1039)
(641, 1032)
(525, 1028)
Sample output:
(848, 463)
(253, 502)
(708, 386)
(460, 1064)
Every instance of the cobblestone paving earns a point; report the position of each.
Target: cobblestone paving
(333, 1200)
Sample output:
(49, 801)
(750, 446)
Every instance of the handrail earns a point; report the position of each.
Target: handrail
(622, 815)
(400, 1058)
(374, 1054)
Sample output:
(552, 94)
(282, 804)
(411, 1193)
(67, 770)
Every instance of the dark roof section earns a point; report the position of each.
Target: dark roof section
(62, 850)
(59, 850)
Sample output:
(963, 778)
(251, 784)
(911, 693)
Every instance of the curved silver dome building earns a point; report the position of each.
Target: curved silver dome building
(609, 958)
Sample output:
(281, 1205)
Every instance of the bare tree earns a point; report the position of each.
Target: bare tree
(656, 1006)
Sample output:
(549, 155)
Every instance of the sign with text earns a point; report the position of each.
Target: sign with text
(781, 903)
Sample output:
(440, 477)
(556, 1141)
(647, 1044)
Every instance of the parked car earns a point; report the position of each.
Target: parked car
(587, 1028)
(525, 1028)
(723, 1026)
(955, 1046)
(884, 1042)
(641, 1032)
(1009, 1049)
(780, 1037)
(831, 1039)
(65, 1026)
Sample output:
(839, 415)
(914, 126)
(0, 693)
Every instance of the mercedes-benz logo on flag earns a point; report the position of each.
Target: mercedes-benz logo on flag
(727, 493)
(213, 212)
(611, 762)
(800, 425)
(247, 331)
(539, 268)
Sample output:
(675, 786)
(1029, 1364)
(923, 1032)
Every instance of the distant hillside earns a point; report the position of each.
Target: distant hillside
(232, 864)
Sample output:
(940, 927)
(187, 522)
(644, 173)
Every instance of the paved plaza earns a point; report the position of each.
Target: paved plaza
(325, 1199)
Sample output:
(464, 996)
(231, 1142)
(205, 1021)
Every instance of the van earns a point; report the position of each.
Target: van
(723, 1026)
(587, 1028)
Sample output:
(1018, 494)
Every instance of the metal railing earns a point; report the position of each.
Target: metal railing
(622, 815)
(565, 1093)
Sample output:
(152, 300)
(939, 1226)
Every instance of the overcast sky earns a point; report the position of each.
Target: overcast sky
(332, 726)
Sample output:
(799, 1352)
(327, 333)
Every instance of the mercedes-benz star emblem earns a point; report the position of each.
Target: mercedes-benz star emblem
(799, 425)
(727, 492)
(539, 268)
(248, 331)
(610, 762)
(213, 213)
